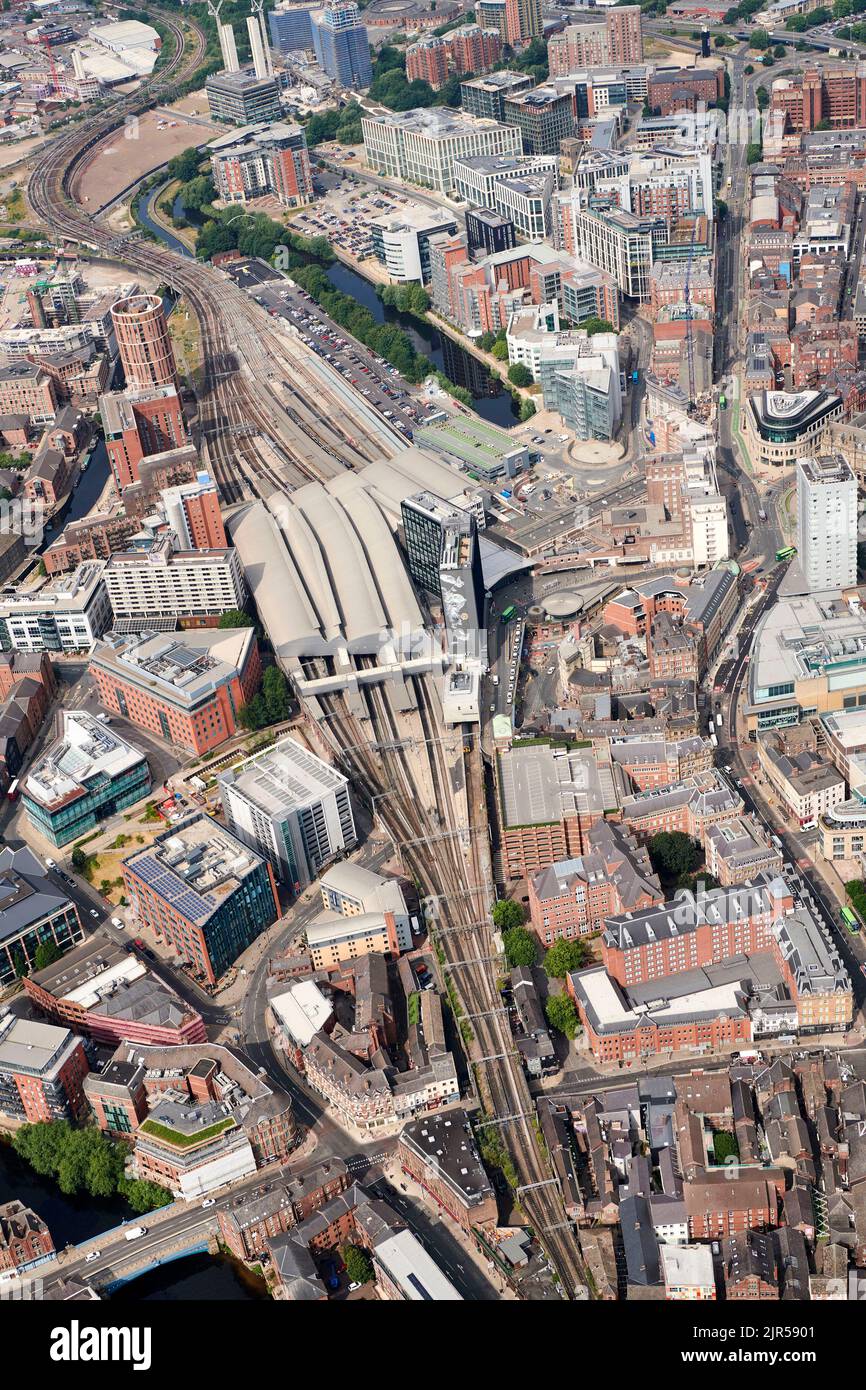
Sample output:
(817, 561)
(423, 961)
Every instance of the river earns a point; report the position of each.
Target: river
(72, 1220)
(490, 400)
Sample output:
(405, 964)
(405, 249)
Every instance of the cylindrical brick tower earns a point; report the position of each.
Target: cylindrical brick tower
(144, 342)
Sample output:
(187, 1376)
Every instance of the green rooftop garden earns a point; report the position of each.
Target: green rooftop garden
(184, 1141)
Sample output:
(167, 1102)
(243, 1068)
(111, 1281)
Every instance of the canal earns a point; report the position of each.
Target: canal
(72, 1220)
(489, 399)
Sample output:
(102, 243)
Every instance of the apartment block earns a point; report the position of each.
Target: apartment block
(138, 423)
(42, 1072)
(617, 40)
(292, 807)
(269, 158)
(188, 584)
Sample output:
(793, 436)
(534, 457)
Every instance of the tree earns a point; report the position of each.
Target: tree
(486, 341)
(763, 98)
(359, 1266)
(596, 325)
(565, 956)
(673, 854)
(768, 60)
(275, 693)
(521, 947)
(760, 39)
(185, 166)
(519, 374)
(507, 914)
(47, 952)
(235, 617)
(754, 154)
(779, 51)
(79, 859)
(527, 409)
(561, 1013)
(500, 350)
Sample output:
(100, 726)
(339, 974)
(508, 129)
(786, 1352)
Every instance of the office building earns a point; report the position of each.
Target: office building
(526, 201)
(263, 159)
(186, 687)
(461, 585)
(109, 994)
(543, 116)
(198, 1117)
(783, 426)
(424, 517)
(202, 892)
(422, 146)
(808, 657)
(832, 97)
(291, 26)
(172, 583)
(86, 775)
(827, 522)
(617, 40)
(42, 1072)
(618, 242)
(440, 1154)
(484, 97)
(291, 807)
(580, 379)
(401, 242)
(489, 232)
(144, 342)
(241, 98)
(341, 44)
(139, 422)
(477, 178)
(32, 912)
(572, 897)
(68, 613)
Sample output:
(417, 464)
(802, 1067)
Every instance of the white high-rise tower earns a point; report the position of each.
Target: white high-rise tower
(229, 48)
(258, 7)
(260, 62)
(827, 522)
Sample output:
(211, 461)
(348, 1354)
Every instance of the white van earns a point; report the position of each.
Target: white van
(135, 1233)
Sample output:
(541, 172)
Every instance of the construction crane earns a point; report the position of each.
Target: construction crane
(690, 343)
(52, 66)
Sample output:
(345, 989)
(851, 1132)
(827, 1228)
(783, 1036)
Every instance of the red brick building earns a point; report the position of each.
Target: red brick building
(574, 897)
(186, 687)
(723, 1206)
(25, 1240)
(246, 1229)
(42, 1071)
(692, 932)
(27, 389)
(144, 342)
(682, 89)
(836, 94)
(139, 423)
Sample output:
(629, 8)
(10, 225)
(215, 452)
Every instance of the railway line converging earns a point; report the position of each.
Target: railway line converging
(266, 423)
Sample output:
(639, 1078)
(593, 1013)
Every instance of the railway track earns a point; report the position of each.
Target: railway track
(310, 442)
(449, 853)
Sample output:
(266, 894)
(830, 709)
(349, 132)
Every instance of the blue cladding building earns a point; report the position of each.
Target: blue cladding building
(341, 45)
